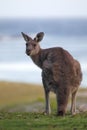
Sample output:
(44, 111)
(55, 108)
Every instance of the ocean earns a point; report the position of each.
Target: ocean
(16, 66)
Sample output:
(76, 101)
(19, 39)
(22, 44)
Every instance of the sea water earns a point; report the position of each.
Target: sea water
(15, 65)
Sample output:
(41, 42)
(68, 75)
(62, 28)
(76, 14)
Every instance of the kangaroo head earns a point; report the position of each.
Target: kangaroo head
(32, 45)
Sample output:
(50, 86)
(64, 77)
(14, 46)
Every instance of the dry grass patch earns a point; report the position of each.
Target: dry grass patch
(17, 93)
(21, 95)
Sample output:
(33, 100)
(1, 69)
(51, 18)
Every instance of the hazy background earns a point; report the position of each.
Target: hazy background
(64, 23)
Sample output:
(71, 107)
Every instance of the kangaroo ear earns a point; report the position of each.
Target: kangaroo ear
(39, 37)
(26, 37)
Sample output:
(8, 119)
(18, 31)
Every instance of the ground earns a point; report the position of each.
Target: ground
(22, 106)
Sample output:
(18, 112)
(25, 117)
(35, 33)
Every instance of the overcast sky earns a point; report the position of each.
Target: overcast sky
(42, 8)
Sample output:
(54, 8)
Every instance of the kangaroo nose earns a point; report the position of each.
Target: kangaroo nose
(28, 51)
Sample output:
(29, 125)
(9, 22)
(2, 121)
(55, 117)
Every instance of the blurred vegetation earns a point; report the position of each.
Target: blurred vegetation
(17, 95)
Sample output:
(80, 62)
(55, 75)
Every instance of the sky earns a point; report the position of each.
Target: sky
(43, 8)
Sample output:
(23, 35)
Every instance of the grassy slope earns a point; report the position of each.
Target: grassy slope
(12, 94)
(18, 93)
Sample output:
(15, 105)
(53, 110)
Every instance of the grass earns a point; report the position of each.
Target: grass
(17, 95)
(37, 121)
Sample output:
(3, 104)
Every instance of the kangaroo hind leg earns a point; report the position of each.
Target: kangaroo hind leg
(73, 102)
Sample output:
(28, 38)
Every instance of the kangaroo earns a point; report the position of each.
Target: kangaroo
(61, 73)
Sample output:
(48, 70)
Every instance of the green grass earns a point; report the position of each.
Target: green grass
(17, 95)
(37, 121)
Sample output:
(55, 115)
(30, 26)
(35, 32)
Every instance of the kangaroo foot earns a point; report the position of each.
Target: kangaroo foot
(60, 113)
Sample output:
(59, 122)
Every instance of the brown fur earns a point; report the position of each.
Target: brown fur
(61, 73)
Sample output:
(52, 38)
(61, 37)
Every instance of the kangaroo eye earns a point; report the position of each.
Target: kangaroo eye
(26, 44)
(34, 45)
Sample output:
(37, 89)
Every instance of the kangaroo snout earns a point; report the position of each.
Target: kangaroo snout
(28, 51)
